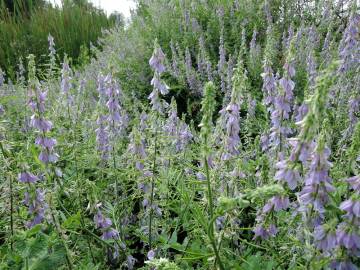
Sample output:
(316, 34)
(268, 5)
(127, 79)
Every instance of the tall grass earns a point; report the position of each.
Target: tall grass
(25, 29)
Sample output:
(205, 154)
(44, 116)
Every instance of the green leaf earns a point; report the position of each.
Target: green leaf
(72, 222)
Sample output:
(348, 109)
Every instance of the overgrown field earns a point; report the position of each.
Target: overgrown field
(203, 135)
(26, 24)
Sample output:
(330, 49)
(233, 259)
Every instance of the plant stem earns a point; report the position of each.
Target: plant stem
(61, 236)
(211, 210)
(5, 154)
(82, 220)
(11, 212)
(152, 187)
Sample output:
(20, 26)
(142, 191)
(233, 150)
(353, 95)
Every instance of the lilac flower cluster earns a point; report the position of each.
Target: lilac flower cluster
(52, 55)
(266, 228)
(349, 48)
(288, 169)
(346, 235)
(102, 137)
(191, 74)
(325, 51)
(38, 121)
(177, 130)
(35, 197)
(269, 85)
(113, 123)
(157, 63)
(137, 148)
(35, 201)
(20, 73)
(348, 232)
(175, 61)
(232, 140)
(66, 78)
(318, 184)
(105, 225)
(222, 62)
(113, 94)
(283, 104)
(230, 115)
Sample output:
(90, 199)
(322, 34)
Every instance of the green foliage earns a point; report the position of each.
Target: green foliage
(203, 209)
(36, 251)
(73, 27)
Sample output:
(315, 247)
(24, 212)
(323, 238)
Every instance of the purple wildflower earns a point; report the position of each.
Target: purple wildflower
(172, 121)
(65, 77)
(301, 111)
(349, 45)
(104, 224)
(143, 118)
(175, 61)
(317, 181)
(287, 174)
(348, 236)
(102, 137)
(232, 140)
(222, 61)
(276, 203)
(27, 177)
(354, 183)
(40, 123)
(343, 265)
(151, 255)
(191, 74)
(351, 206)
(184, 136)
(137, 148)
(264, 232)
(113, 94)
(157, 60)
(37, 207)
(269, 85)
(157, 63)
(325, 238)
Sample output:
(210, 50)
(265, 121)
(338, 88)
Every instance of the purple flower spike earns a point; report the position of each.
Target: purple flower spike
(265, 232)
(354, 183)
(317, 182)
(348, 236)
(160, 85)
(352, 207)
(110, 234)
(37, 208)
(157, 60)
(40, 123)
(104, 224)
(46, 142)
(343, 265)
(27, 177)
(151, 255)
(157, 63)
(287, 174)
(324, 239)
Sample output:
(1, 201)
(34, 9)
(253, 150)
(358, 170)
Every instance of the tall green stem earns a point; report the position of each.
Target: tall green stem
(211, 211)
(153, 186)
(11, 212)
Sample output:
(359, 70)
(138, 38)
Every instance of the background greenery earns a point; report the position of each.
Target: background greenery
(26, 24)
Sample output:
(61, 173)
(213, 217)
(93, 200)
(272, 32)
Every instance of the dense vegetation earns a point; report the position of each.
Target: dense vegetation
(26, 24)
(203, 135)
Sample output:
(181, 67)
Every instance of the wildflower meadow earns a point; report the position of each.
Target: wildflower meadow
(201, 134)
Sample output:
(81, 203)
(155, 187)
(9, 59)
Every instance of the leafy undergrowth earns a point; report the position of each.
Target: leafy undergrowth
(217, 135)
